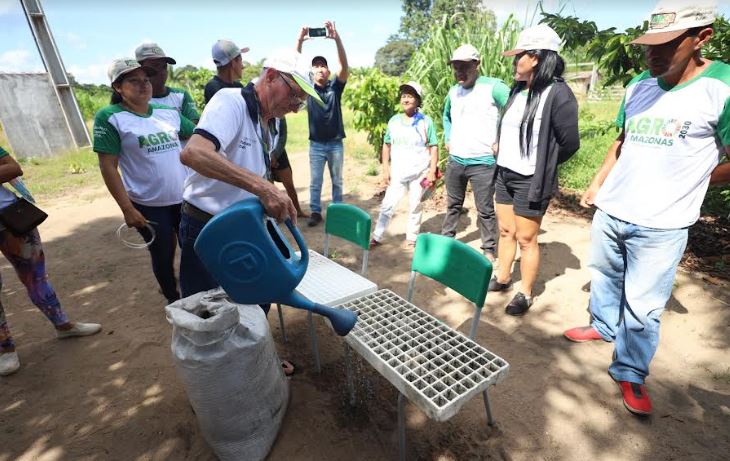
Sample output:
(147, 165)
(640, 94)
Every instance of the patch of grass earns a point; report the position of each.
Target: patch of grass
(596, 137)
(62, 174)
(297, 138)
(372, 169)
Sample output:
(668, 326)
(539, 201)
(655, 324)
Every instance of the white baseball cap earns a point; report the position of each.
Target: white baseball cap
(150, 50)
(540, 37)
(122, 66)
(292, 62)
(412, 85)
(672, 18)
(225, 51)
(465, 52)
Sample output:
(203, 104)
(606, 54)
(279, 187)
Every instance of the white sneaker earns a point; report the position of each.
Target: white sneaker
(9, 363)
(79, 329)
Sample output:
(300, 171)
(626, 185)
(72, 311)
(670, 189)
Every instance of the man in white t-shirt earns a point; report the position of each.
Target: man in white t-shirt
(675, 122)
(471, 112)
(229, 155)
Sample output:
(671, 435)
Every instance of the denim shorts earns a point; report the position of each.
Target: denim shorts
(512, 188)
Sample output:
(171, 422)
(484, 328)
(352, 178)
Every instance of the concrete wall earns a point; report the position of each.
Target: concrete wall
(31, 116)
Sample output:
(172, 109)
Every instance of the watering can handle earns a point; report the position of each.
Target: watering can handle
(304, 258)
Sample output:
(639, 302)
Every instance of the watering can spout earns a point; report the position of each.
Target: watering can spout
(342, 320)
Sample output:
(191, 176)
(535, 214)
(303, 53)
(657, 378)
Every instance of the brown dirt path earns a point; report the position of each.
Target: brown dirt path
(115, 396)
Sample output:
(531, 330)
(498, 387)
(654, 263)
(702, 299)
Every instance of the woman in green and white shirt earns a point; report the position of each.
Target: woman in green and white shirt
(143, 140)
(410, 155)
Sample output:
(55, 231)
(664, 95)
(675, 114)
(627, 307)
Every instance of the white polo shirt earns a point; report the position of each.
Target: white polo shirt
(226, 117)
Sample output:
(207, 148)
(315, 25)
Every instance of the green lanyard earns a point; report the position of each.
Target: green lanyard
(266, 149)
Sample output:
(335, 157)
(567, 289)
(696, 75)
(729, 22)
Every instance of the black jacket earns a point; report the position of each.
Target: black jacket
(557, 141)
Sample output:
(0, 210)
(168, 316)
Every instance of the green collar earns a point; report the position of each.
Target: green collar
(666, 87)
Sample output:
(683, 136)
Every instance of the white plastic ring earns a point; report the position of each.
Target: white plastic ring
(134, 245)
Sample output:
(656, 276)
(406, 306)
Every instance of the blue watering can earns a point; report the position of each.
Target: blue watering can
(246, 253)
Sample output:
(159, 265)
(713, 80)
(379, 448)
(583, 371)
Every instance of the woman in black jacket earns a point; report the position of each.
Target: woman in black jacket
(538, 131)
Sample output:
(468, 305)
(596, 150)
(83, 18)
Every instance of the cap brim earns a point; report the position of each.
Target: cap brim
(463, 60)
(170, 60)
(308, 88)
(658, 38)
(148, 70)
(514, 52)
(245, 49)
(320, 59)
(406, 86)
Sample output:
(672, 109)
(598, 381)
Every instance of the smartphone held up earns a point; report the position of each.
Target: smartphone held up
(317, 32)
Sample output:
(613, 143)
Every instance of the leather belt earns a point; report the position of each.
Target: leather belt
(195, 212)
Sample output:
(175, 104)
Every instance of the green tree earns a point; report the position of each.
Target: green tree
(392, 59)
(420, 15)
(251, 71)
(373, 97)
(616, 57)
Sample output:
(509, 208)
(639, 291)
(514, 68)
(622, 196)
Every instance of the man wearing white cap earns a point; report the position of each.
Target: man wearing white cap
(151, 55)
(675, 120)
(229, 68)
(470, 120)
(229, 154)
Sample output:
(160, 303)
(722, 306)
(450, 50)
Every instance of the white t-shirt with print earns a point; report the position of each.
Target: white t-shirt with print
(471, 116)
(510, 156)
(674, 138)
(409, 141)
(226, 117)
(148, 147)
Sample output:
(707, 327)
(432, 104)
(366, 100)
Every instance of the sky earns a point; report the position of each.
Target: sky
(90, 33)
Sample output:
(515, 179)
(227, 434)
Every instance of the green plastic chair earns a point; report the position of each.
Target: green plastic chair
(454, 264)
(459, 267)
(349, 223)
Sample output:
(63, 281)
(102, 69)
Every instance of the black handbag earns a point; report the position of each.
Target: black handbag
(21, 217)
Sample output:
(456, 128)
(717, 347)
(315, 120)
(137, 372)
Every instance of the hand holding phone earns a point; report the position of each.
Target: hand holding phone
(317, 32)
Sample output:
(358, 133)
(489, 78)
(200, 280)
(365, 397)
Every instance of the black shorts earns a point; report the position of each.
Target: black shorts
(283, 162)
(511, 188)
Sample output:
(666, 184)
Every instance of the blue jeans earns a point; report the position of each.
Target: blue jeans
(166, 221)
(194, 277)
(632, 275)
(331, 152)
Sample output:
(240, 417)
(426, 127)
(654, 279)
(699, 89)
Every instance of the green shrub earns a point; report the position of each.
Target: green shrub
(373, 97)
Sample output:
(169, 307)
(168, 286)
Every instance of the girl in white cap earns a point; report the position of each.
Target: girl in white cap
(410, 154)
(538, 130)
(144, 140)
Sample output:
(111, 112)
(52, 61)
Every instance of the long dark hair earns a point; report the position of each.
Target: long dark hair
(550, 66)
(116, 97)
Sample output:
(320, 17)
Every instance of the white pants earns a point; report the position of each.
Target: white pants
(396, 190)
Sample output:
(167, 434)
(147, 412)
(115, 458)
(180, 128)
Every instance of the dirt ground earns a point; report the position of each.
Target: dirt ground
(115, 396)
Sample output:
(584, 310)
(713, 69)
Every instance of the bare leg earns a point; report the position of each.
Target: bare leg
(507, 248)
(526, 231)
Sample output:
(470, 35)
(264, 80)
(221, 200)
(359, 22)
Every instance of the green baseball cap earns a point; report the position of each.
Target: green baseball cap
(150, 50)
(122, 66)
